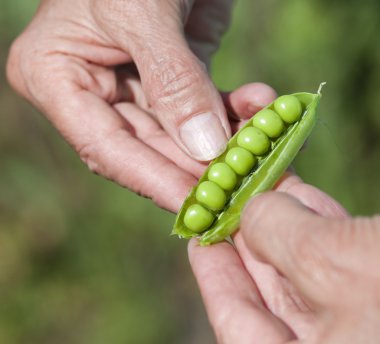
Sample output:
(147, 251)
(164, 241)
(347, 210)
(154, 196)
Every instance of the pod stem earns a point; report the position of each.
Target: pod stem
(320, 88)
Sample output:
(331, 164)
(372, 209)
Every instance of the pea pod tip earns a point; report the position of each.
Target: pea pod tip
(320, 88)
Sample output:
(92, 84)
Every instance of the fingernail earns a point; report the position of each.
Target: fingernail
(204, 136)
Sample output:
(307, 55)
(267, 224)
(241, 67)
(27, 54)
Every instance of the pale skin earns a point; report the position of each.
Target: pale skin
(301, 271)
(121, 81)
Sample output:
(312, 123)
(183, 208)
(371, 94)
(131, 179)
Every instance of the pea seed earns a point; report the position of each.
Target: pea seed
(221, 187)
(289, 108)
(269, 122)
(223, 175)
(254, 140)
(198, 218)
(211, 195)
(240, 160)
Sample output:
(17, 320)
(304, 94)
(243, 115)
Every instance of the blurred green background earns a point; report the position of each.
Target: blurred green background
(80, 260)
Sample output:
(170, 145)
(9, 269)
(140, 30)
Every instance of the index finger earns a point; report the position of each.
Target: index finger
(233, 303)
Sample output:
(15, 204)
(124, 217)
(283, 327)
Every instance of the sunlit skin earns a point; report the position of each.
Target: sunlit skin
(119, 79)
(309, 273)
(301, 270)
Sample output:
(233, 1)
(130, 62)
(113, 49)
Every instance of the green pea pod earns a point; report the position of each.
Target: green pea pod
(268, 170)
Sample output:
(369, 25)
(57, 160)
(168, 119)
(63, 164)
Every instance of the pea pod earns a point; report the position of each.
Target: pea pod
(286, 139)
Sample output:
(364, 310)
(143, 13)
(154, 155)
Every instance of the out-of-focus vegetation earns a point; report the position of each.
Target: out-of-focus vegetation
(85, 261)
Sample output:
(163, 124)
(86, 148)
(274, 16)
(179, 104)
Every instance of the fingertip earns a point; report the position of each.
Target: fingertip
(318, 201)
(261, 95)
(270, 214)
(254, 210)
(249, 99)
(258, 203)
(287, 180)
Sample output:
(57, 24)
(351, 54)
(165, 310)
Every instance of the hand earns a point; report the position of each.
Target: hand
(301, 271)
(125, 83)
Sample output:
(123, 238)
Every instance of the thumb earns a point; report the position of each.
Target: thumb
(175, 81)
(327, 259)
(181, 93)
(279, 229)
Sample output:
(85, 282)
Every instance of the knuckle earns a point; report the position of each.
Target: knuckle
(34, 73)
(313, 252)
(86, 155)
(98, 154)
(174, 80)
(89, 154)
(50, 82)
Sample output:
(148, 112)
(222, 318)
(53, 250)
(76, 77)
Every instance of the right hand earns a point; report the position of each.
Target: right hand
(301, 271)
(124, 81)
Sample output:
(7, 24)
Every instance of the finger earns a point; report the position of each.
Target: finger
(175, 81)
(149, 131)
(129, 86)
(116, 154)
(185, 100)
(279, 295)
(232, 301)
(311, 197)
(288, 235)
(318, 201)
(101, 137)
(248, 99)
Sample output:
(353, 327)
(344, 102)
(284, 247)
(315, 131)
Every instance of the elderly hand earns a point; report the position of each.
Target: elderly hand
(302, 271)
(125, 83)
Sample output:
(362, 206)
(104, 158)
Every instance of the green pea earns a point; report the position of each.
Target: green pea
(254, 140)
(198, 218)
(223, 175)
(211, 195)
(240, 160)
(269, 122)
(289, 108)
(197, 214)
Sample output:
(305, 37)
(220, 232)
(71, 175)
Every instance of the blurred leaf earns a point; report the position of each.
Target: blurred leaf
(85, 261)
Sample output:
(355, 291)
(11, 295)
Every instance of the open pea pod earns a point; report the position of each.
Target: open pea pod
(213, 208)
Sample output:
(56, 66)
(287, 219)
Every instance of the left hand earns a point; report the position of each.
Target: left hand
(125, 83)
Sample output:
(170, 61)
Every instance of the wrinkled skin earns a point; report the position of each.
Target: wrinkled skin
(301, 271)
(121, 79)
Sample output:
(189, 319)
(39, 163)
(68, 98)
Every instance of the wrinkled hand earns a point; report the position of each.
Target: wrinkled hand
(125, 83)
(302, 271)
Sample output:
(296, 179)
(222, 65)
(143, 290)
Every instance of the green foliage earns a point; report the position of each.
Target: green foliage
(293, 46)
(80, 260)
